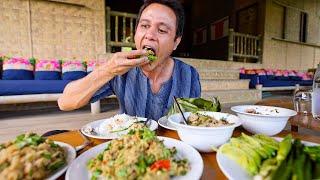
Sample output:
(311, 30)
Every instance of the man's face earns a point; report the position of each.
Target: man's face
(157, 30)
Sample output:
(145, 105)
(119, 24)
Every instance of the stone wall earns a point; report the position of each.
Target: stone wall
(289, 53)
(52, 29)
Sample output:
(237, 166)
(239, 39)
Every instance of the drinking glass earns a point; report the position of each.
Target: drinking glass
(303, 102)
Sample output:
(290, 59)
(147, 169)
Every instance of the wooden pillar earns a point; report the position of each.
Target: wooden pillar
(108, 30)
(230, 45)
(259, 51)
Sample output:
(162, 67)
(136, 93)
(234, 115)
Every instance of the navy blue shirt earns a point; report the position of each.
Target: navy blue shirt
(133, 91)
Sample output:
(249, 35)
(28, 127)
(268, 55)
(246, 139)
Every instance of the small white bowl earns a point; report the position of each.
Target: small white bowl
(271, 121)
(205, 139)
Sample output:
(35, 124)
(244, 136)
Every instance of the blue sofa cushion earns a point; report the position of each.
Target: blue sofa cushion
(271, 77)
(17, 74)
(278, 83)
(73, 75)
(305, 82)
(269, 82)
(22, 87)
(282, 77)
(47, 75)
(295, 78)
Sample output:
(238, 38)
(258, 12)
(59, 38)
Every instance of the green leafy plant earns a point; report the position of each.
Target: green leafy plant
(32, 61)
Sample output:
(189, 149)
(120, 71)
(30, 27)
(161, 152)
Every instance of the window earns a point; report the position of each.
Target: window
(303, 27)
(294, 22)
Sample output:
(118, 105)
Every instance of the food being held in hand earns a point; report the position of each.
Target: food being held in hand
(150, 53)
(198, 119)
(30, 156)
(137, 155)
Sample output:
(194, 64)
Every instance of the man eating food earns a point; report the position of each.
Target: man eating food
(144, 80)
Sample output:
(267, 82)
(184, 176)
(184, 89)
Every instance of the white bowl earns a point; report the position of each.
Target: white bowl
(205, 139)
(271, 121)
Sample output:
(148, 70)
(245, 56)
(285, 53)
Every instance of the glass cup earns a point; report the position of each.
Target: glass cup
(303, 102)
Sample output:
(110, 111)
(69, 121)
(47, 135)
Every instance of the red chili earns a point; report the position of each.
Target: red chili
(161, 164)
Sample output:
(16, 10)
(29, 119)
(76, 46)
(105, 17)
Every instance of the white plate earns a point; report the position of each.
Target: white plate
(164, 122)
(79, 171)
(153, 125)
(234, 171)
(71, 155)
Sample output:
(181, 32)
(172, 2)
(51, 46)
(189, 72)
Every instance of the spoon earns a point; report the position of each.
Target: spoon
(85, 144)
(90, 130)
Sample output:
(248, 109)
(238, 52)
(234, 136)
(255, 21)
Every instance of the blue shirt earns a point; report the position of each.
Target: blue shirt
(133, 91)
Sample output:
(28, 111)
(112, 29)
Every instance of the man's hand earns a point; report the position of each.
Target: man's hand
(122, 62)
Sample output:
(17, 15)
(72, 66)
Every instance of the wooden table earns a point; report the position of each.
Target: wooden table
(300, 120)
(211, 168)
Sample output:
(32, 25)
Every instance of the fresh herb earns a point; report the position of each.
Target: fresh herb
(100, 157)
(108, 147)
(47, 155)
(122, 172)
(90, 163)
(141, 165)
(3, 166)
(151, 56)
(166, 153)
(313, 152)
(96, 174)
(26, 140)
(53, 145)
(56, 165)
(150, 159)
(30, 173)
(131, 132)
(195, 105)
(2, 146)
(147, 134)
(32, 61)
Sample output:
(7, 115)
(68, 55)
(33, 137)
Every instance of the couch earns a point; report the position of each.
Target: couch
(30, 80)
(274, 79)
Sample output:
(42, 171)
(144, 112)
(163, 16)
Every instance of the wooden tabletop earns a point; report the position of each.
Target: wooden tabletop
(211, 168)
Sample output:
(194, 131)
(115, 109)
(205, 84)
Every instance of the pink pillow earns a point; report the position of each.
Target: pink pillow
(48, 65)
(73, 70)
(17, 69)
(269, 72)
(18, 63)
(242, 70)
(250, 71)
(260, 72)
(47, 70)
(91, 65)
(278, 73)
(73, 65)
(285, 73)
(292, 73)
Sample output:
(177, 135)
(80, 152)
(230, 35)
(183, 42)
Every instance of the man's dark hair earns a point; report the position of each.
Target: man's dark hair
(177, 8)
